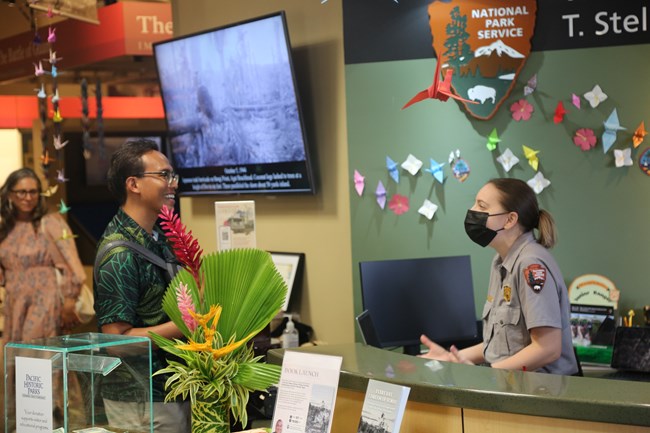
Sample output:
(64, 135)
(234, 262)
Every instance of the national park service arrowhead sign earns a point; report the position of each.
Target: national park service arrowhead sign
(486, 43)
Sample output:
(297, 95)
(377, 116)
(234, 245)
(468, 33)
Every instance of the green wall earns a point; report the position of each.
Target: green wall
(601, 211)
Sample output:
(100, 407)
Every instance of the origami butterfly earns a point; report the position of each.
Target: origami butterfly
(399, 204)
(585, 139)
(493, 139)
(508, 160)
(359, 182)
(595, 96)
(538, 183)
(559, 113)
(412, 165)
(51, 35)
(63, 208)
(531, 156)
(623, 157)
(380, 194)
(531, 86)
(50, 191)
(639, 134)
(575, 100)
(436, 170)
(428, 209)
(392, 169)
(611, 126)
(60, 176)
(58, 145)
(440, 90)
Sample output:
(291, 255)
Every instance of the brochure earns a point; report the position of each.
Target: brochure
(235, 222)
(306, 393)
(383, 407)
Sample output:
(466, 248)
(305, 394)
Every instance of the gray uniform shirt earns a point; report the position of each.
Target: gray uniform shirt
(526, 291)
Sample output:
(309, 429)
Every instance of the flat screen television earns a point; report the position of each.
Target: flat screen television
(233, 111)
(410, 297)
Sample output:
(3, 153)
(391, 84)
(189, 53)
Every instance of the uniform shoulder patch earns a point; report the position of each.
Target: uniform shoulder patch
(535, 276)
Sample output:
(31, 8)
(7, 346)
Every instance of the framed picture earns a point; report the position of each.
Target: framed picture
(290, 266)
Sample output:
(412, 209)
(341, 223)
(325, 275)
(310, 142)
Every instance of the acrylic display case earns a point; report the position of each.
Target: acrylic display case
(60, 384)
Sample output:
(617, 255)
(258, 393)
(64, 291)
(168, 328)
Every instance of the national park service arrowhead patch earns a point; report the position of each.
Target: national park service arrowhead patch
(535, 276)
(486, 43)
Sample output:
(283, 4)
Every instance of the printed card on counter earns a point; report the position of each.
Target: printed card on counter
(306, 393)
(235, 222)
(33, 395)
(383, 407)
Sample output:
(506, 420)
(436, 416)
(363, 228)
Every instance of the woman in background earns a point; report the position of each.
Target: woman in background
(526, 313)
(38, 302)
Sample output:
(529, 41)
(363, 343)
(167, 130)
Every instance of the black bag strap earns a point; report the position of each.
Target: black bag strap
(170, 268)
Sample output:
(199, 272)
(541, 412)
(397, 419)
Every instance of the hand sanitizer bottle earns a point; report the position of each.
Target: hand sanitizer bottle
(290, 335)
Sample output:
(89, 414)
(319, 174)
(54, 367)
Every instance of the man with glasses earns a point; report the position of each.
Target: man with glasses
(129, 288)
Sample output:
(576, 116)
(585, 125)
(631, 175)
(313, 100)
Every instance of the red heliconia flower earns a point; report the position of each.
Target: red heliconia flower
(186, 247)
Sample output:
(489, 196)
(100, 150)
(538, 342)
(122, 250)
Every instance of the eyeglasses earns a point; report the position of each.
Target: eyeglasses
(169, 176)
(22, 193)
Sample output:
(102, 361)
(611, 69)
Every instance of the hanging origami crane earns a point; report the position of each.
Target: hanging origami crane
(440, 90)
(639, 134)
(531, 156)
(612, 125)
(392, 169)
(436, 170)
(359, 182)
(58, 144)
(380, 194)
(63, 208)
(51, 35)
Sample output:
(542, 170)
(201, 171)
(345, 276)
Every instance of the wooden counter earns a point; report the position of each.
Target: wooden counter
(445, 397)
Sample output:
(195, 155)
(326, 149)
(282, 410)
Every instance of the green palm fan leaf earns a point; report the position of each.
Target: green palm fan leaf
(247, 285)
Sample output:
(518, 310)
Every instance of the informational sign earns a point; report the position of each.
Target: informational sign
(235, 223)
(33, 395)
(306, 393)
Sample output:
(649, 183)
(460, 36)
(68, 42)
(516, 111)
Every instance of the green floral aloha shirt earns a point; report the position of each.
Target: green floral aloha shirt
(130, 289)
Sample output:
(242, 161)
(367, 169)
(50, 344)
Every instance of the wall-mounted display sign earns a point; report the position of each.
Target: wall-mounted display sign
(486, 44)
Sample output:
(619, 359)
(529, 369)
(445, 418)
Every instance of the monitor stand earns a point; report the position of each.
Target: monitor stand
(412, 349)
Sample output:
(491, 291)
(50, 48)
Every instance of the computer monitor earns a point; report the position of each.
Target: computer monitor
(410, 297)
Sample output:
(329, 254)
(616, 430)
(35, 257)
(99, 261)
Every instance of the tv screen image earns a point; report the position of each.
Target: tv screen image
(233, 112)
(409, 297)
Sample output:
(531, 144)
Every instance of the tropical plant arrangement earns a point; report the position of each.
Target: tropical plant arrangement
(219, 302)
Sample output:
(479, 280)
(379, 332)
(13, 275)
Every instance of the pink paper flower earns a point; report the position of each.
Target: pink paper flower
(585, 139)
(521, 110)
(399, 204)
(185, 305)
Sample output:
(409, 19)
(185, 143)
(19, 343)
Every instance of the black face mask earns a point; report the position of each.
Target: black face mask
(476, 227)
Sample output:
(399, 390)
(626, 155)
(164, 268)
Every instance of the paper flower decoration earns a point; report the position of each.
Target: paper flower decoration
(639, 134)
(436, 170)
(399, 204)
(530, 86)
(595, 96)
(508, 160)
(623, 157)
(392, 169)
(612, 125)
(359, 182)
(428, 209)
(559, 113)
(493, 139)
(585, 139)
(538, 183)
(380, 195)
(521, 110)
(459, 168)
(575, 100)
(531, 156)
(412, 165)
